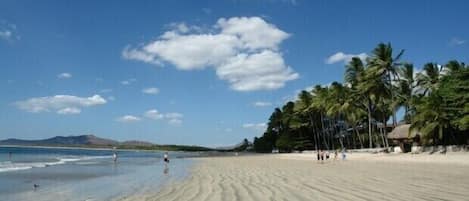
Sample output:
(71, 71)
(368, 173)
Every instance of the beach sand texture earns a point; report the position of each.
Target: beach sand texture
(300, 177)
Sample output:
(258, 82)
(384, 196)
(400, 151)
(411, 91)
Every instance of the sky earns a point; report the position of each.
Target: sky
(195, 72)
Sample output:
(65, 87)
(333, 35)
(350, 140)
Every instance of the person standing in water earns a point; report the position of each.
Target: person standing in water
(114, 157)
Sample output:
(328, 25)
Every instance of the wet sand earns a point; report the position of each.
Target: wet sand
(301, 177)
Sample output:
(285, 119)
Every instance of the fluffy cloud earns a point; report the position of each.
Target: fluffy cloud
(153, 114)
(342, 57)
(62, 104)
(69, 110)
(172, 118)
(128, 119)
(248, 72)
(151, 90)
(257, 127)
(64, 75)
(262, 104)
(243, 51)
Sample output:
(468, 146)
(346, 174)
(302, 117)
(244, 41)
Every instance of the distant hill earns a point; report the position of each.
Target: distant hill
(81, 140)
(136, 143)
(92, 141)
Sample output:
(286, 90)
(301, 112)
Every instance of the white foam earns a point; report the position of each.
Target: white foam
(7, 166)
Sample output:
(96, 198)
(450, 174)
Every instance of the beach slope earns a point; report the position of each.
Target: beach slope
(300, 177)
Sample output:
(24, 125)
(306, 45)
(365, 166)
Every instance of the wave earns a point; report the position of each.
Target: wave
(7, 166)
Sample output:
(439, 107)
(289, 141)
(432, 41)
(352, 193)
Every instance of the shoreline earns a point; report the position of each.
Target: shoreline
(363, 176)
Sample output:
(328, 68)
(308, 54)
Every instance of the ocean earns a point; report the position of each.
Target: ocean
(84, 174)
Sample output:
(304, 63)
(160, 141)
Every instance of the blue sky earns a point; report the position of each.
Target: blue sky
(194, 72)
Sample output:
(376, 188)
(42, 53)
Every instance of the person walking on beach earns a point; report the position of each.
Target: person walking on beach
(343, 154)
(319, 155)
(335, 155)
(322, 156)
(166, 158)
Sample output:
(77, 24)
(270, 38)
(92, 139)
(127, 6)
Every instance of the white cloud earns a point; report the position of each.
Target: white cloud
(111, 98)
(151, 90)
(128, 119)
(258, 71)
(69, 110)
(262, 104)
(8, 31)
(128, 81)
(173, 115)
(5, 34)
(345, 58)
(257, 127)
(175, 122)
(153, 114)
(172, 118)
(62, 104)
(243, 50)
(64, 75)
(253, 32)
(456, 41)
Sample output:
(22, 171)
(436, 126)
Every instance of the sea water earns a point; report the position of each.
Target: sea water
(84, 174)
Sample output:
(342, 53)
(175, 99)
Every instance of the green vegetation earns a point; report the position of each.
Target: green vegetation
(166, 147)
(355, 114)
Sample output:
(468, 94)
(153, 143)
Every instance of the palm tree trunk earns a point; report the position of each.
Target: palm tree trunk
(369, 124)
(324, 132)
(394, 120)
(385, 133)
(359, 138)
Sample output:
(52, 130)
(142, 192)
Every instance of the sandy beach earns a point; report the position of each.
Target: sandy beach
(300, 177)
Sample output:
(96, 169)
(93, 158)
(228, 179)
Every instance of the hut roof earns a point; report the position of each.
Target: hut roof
(402, 132)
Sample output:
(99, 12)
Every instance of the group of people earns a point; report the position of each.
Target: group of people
(325, 155)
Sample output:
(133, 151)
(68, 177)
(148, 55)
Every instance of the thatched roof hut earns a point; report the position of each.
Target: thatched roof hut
(402, 132)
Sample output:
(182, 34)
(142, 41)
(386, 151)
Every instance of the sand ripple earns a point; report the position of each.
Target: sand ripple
(275, 178)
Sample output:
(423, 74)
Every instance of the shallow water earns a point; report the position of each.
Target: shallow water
(79, 174)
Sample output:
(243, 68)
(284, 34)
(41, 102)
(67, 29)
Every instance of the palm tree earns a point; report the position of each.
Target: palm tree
(320, 98)
(431, 117)
(303, 107)
(359, 95)
(385, 65)
(429, 79)
(405, 88)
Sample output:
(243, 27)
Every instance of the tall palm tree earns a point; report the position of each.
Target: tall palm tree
(405, 88)
(385, 65)
(320, 98)
(359, 93)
